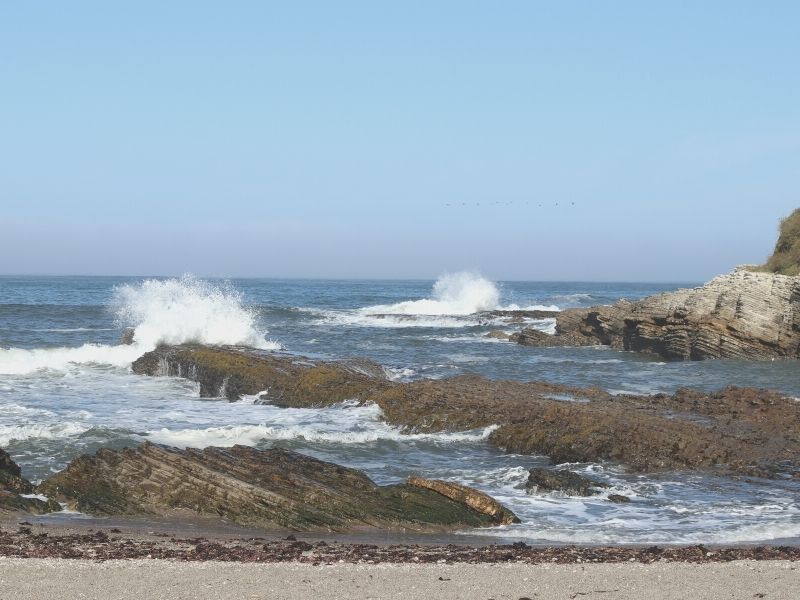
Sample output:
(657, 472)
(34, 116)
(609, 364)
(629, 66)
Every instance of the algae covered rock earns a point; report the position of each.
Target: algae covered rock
(567, 482)
(265, 488)
(478, 501)
(738, 430)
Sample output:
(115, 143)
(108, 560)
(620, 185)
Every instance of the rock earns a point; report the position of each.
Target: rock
(744, 315)
(11, 476)
(540, 339)
(735, 430)
(265, 488)
(12, 485)
(16, 502)
(462, 494)
(497, 335)
(568, 482)
(126, 339)
(289, 381)
(618, 498)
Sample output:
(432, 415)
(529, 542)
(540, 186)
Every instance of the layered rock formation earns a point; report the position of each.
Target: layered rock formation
(264, 488)
(735, 430)
(13, 485)
(745, 315)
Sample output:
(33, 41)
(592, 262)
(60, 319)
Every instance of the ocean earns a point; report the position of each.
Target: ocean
(66, 389)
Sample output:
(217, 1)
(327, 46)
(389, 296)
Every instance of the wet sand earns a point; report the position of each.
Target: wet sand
(141, 578)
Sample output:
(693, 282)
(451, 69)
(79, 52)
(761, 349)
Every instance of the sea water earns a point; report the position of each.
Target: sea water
(66, 389)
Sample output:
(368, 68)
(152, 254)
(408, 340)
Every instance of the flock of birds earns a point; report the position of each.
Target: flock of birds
(507, 203)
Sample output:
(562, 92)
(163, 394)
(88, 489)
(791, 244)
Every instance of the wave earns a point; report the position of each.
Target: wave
(178, 311)
(251, 435)
(461, 293)
(345, 423)
(50, 432)
(171, 311)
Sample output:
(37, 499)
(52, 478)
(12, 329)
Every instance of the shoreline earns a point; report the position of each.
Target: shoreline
(186, 540)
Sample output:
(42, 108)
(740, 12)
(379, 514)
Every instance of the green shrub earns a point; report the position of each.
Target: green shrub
(786, 258)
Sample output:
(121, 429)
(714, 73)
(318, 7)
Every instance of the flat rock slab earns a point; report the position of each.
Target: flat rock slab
(273, 488)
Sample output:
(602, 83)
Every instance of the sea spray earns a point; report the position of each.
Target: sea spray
(169, 311)
(177, 311)
(463, 293)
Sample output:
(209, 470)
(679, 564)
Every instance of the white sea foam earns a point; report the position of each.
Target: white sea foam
(251, 435)
(43, 431)
(346, 423)
(171, 311)
(176, 311)
(18, 361)
(462, 293)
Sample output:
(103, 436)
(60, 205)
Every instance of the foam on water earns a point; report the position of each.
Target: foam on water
(171, 311)
(176, 311)
(42, 431)
(346, 423)
(461, 293)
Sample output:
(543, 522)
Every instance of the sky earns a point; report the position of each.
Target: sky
(624, 141)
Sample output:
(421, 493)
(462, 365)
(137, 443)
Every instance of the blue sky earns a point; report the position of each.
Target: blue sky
(526, 140)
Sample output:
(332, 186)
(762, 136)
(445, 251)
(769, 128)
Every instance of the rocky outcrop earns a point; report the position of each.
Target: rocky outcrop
(12, 485)
(564, 481)
(736, 430)
(477, 501)
(265, 488)
(745, 315)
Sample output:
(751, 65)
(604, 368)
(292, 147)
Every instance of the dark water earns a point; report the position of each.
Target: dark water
(66, 388)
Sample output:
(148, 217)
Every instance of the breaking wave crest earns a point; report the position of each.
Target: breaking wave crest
(177, 311)
(462, 293)
(170, 311)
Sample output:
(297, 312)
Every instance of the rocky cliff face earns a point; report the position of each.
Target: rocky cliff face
(735, 430)
(745, 315)
(264, 488)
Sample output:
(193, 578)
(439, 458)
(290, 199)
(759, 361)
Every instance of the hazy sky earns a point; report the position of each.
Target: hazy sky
(527, 140)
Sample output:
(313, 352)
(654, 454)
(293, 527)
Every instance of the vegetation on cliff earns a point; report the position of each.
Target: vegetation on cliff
(786, 257)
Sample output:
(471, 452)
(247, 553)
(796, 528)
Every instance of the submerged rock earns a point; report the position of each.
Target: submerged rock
(265, 488)
(738, 430)
(744, 314)
(496, 334)
(12, 485)
(618, 499)
(567, 482)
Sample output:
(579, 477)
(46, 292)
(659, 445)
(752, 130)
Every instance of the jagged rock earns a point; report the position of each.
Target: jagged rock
(12, 485)
(618, 499)
(744, 314)
(497, 335)
(126, 339)
(266, 488)
(567, 482)
(540, 339)
(462, 494)
(738, 430)
(288, 381)
(11, 476)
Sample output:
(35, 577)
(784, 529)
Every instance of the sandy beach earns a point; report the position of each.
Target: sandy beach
(58, 578)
